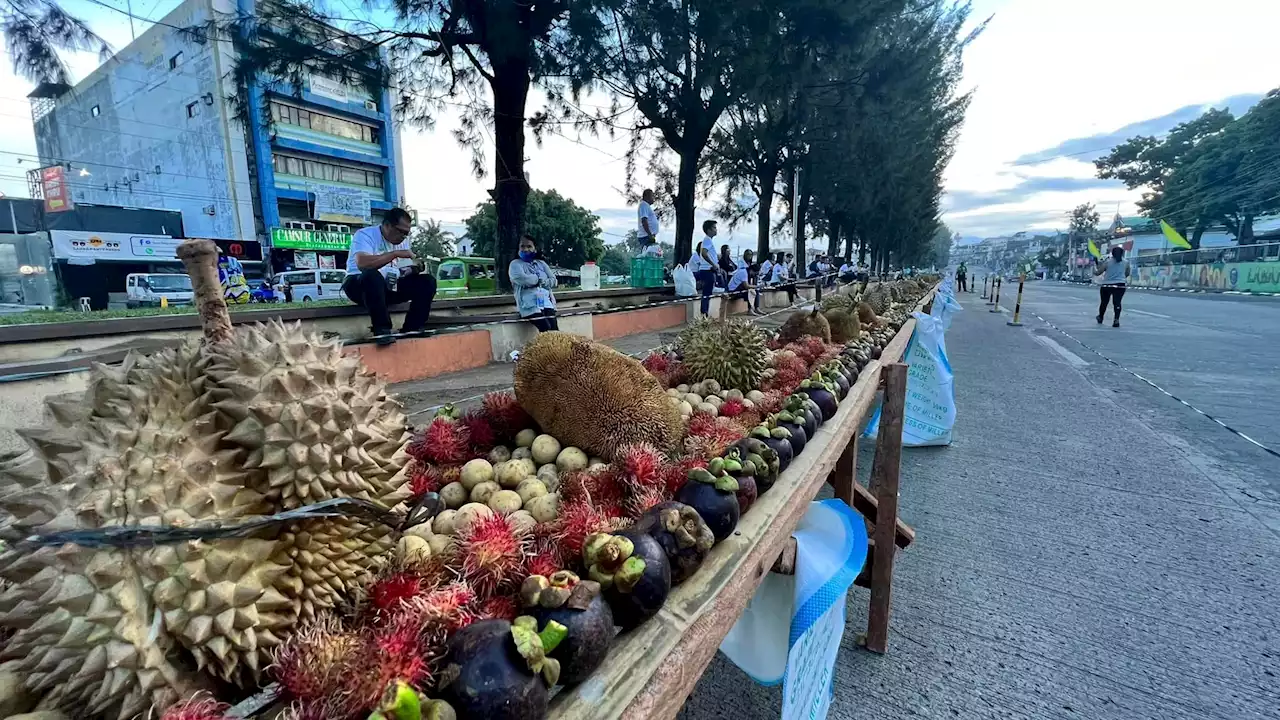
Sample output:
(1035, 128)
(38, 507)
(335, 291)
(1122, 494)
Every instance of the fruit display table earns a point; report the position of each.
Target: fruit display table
(651, 670)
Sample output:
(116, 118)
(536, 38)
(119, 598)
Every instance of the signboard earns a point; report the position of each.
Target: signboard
(305, 260)
(341, 204)
(291, 239)
(1259, 277)
(327, 87)
(57, 194)
(242, 250)
(328, 262)
(79, 245)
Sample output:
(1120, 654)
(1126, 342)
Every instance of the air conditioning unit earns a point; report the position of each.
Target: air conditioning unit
(371, 105)
(210, 210)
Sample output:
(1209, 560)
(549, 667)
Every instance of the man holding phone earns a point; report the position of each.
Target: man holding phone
(381, 273)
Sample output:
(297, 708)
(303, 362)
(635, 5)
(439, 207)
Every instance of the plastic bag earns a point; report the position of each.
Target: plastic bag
(945, 307)
(930, 410)
(686, 285)
(790, 632)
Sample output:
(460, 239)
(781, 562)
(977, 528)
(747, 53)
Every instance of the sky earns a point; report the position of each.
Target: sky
(1055, 84)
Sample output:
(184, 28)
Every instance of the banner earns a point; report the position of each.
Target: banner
(91, 246)
(341, 204)
(57, 194)
(1260, 277)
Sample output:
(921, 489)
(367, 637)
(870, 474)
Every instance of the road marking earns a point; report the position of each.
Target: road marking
(1073, 359)
(1144, 312)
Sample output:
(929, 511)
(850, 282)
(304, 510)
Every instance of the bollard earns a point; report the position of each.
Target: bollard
(984, 287)
(996, 298)
(817, 290)
(1017, 306)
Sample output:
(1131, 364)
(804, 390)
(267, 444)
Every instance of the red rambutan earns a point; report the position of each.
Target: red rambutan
(448, 607)
(678, 473)
(772, 402)
(424, 478)
(747, 419)
(491, 554)
(498, 607)
(577, 521)
(545, 558)
(646, 497)
(313, 662)
(201, 706)
(656, 363)
(445, 442)
(479, 432)
(400, 651)
(701, 423)
(390, 593)
(601, 489)
(732, 408)
(641, 465)
(505, 414)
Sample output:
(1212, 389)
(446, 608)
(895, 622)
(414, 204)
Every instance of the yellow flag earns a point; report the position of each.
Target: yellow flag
(1173, 237)
(1094, 251)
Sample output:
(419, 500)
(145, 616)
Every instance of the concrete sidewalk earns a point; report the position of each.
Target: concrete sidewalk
(1070, 562)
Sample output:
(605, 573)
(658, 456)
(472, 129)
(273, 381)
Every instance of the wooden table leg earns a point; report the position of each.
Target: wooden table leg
(845, 474)
(884, 474)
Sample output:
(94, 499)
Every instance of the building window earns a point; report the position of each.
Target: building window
(321, 122)
(95, 111)
(175, 61)
(329, 171)
(191, 109)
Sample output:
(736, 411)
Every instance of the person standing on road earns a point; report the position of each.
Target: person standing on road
(1115, 273)
(532, 281)
(647, 229)
(703, 264)
(962, 275)
(381, 273)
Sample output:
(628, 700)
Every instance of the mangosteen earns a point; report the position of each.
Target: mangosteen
(822, 395)
(682, 533)
(806, 413)
(633, 571)
(875, 353)
(746, 492)
(763, 458)
(799, 437)
(837, 378)
(714, 495)
(579, 606)
(744, 471)
(496, 669)
(777, 440)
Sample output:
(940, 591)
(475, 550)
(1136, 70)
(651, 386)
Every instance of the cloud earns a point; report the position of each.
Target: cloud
(999, 222)
(959, 201)
(1091, 147)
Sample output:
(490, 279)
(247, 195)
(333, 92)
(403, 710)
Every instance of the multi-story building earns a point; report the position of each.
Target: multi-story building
(156, 126)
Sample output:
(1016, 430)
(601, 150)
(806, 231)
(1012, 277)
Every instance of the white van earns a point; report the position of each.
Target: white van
(147, 289)
(309, 285)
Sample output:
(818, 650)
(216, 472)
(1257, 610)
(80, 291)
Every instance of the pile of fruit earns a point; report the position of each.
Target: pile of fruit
(545, 518)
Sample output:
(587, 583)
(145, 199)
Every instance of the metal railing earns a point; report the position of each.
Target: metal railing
(1208, 256)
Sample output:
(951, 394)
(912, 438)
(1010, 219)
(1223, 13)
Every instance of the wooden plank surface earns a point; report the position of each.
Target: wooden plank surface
(885, 479)
(651, 670)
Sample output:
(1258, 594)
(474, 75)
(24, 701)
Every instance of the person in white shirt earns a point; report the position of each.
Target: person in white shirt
(764, 276)
(782, 275)
(703, 264)
(647, 226)
(381, 273)
(847, 272)
(740, 281)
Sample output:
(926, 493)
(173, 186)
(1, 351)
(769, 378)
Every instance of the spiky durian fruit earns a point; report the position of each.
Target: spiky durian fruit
(264, 420)
(731, 352)
(590, 396)
(844, 325)
(878, 298)
(840, 301)
(805, 322)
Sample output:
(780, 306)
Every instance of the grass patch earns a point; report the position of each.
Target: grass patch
(37, 317)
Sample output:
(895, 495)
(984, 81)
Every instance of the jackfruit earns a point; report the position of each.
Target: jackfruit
(590, 396)
(264, 421)
(730, 352)
(805, 322)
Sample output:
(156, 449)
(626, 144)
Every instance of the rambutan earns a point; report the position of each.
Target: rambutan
(392, 591)
(747, 419)
(656, 363)
(491, 555)
(200, 706)
(448, 608)
(479, 432)
(424, 478)
(772, 402)
(601, 488)
(677, 373)
(313, 662)
(678, 473)
(399, 651)
(498, 607)
(577, 521)
(505, 415)
(644, 498)
(790, 364)
(545, 558)
(732, 408)
(640, 465)
(701, 424)
(445, 442)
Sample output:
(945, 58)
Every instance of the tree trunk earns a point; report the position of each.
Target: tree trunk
(833, 238)
(1196, 233)
(686, 188)
(1246, 230)
(510, 86)
(801, 219)
(768, 184)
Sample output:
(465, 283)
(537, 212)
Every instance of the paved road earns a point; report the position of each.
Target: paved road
(1087, 548)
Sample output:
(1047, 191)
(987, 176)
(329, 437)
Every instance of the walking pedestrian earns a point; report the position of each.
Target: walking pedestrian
(1115, 273)
(703, 264)
(532, 281)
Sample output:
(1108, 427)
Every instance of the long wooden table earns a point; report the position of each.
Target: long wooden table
(651, 670)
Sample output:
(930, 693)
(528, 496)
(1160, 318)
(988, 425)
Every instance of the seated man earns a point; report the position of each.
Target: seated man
(380, 273)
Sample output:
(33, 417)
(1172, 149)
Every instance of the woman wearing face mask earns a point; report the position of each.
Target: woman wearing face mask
(532, 280)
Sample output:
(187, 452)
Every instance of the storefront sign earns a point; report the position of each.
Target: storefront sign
(78, 245)
(327, 87)
(242, 250)
(291, 239)
(341, 204)
(57, 194)
(305, 260)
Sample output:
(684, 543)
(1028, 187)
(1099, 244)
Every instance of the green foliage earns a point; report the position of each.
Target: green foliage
(1148, 162)
(430, 239)
(1052, 259)
(1084, 221)
(567, 234)
(36, 35)
(615, 261)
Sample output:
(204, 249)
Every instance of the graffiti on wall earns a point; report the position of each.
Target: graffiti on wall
(1254, 276)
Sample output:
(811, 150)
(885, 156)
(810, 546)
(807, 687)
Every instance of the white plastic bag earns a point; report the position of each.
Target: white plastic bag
(686, 285)
(790, 632)
(930, 411)
(945, 306)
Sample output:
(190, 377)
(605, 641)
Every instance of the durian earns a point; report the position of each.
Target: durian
(840, 301)
(731, 352)
(844, 325)
(253, 422)
(805, 322)
(590, 396)
(878, 298)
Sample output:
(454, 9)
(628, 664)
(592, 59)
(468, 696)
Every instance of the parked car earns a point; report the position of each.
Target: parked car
(461, 275)
(148, 289)
(310, 285)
